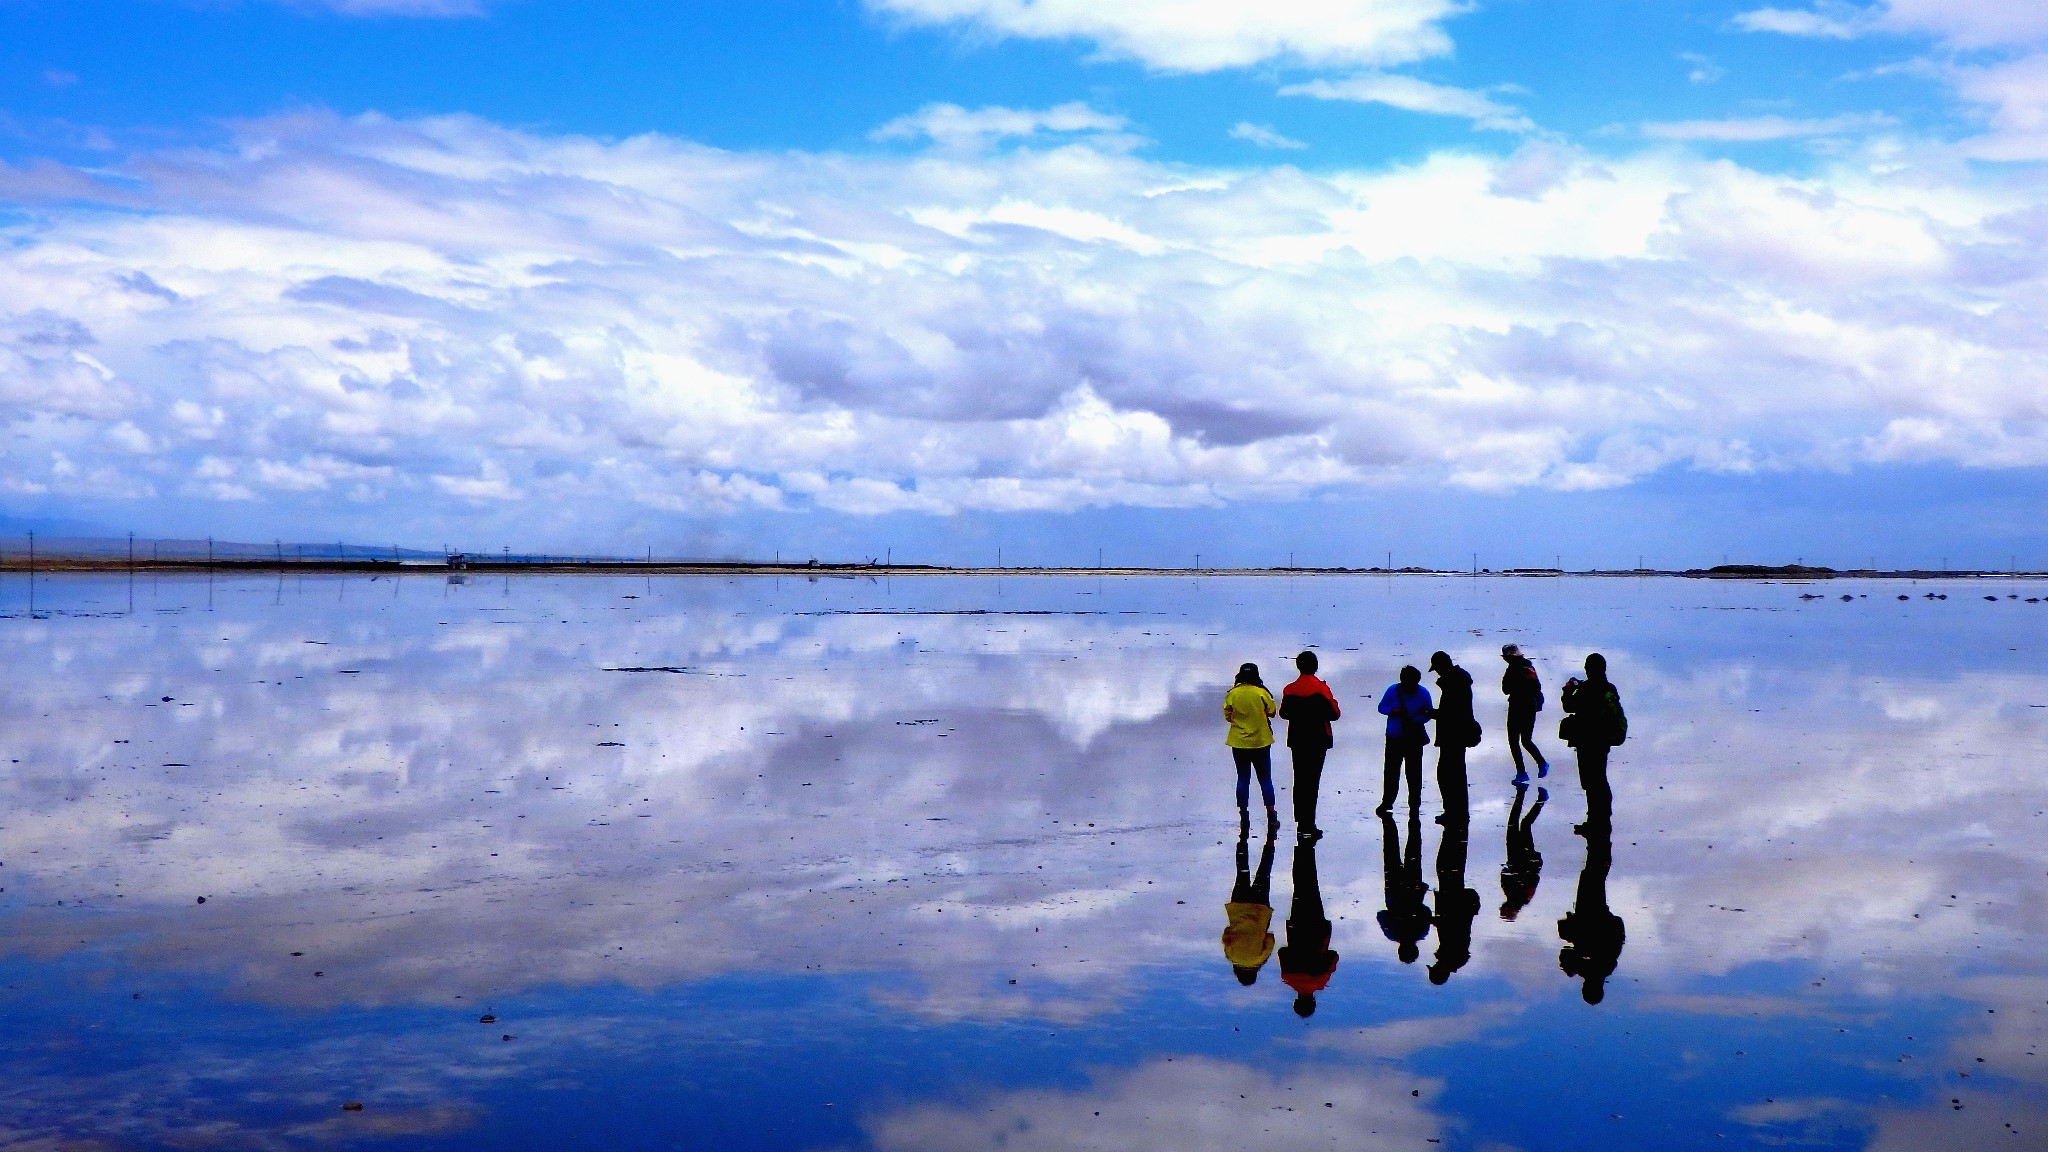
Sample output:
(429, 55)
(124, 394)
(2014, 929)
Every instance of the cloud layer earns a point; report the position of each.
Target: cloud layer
(446, 314)
(1206, 35)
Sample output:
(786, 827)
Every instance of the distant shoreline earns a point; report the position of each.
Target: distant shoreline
(16, 562)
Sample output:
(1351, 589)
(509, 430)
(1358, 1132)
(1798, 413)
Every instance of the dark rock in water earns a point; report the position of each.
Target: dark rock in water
(1846, 597)
(202, 899)
(352, 1106)
(487, 1019)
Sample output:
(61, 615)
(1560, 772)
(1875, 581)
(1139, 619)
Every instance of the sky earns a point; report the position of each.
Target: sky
(1494, 282)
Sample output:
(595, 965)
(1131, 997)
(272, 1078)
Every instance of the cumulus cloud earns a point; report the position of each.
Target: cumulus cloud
(1207, 35)
(1413, 95)
(2014, 95)
(1756, 129)
(446, 315)
(1262, 136)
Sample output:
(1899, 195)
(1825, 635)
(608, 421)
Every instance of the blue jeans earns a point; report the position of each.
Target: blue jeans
(1248, 759)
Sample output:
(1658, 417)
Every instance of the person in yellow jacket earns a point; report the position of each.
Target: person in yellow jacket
(1247, 937)
(1250, 709)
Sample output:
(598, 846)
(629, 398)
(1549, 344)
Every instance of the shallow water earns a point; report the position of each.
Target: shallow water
(941, 864)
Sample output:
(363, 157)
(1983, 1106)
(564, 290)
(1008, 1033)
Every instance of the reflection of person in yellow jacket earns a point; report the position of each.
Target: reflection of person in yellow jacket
(1249, 709)
(1247, 940)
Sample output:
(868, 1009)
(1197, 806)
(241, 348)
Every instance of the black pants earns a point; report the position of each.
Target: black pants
(1522, 734)
(1593, 778)
(1402, 754)
(1451, 786)
(1308, 783)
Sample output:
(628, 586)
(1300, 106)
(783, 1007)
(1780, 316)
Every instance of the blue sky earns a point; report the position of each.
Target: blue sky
(1338, 274)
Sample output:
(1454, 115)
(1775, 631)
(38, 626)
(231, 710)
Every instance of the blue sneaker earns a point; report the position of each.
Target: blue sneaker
(1542, 769)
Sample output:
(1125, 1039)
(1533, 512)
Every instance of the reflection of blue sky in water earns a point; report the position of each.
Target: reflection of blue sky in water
(813, 863)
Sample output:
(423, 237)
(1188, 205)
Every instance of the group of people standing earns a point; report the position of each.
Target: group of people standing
(1594, 723)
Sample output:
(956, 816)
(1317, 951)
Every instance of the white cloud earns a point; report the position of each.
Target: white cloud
(1263, 136)
(371, 8)
(2015, 95)
(1958, 23)
(1189, 1102)
(1206, 35)
(1755, 129)
(1827, 22)
(444, 315)
(1703, 70)
(951, 126)
(1412, 95)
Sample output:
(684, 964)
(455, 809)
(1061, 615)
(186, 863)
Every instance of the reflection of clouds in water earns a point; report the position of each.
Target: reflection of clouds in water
(915, 792)
(1183, 1102)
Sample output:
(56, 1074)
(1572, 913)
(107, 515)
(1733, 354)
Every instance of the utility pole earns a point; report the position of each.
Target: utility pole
(131, 553)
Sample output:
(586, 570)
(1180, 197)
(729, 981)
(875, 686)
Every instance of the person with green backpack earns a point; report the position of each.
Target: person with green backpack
(1594, 724)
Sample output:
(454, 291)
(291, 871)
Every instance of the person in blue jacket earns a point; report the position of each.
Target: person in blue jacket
(1408, 710)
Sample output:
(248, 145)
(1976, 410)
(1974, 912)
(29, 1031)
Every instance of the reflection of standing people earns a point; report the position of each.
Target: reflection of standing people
(1308, 706)
(1593, 725)
(1248, 937)
(1524, 690)
(1456, 905)
(1249, 709)
(1457, 730)
(1407, 707)
(1306, 962)
(1592, 933)
(1405, 920)
(1524, 868)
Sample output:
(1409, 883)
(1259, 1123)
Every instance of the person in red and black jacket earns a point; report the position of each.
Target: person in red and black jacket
(1306, 962)
(1308, 706)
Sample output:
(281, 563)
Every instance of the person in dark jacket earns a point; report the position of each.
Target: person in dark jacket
(1306, 962)
(1407, 707)
(1524, 868)
(1456, 905)
(1594, 724)
(1308, 706)
(1457, 730)
(1592, 933)
(1524, 690)
(1405, 919)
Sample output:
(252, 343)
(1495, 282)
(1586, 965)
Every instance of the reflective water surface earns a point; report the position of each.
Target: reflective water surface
(944, 864)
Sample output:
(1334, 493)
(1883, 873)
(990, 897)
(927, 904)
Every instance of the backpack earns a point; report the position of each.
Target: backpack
(1617, 720)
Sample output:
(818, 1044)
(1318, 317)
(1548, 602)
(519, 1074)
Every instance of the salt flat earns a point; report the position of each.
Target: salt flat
(941, 864)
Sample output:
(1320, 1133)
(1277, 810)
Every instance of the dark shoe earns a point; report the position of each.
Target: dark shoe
(1386, 809)
(1309, 835)
(1520, 779)
(1542, 769)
